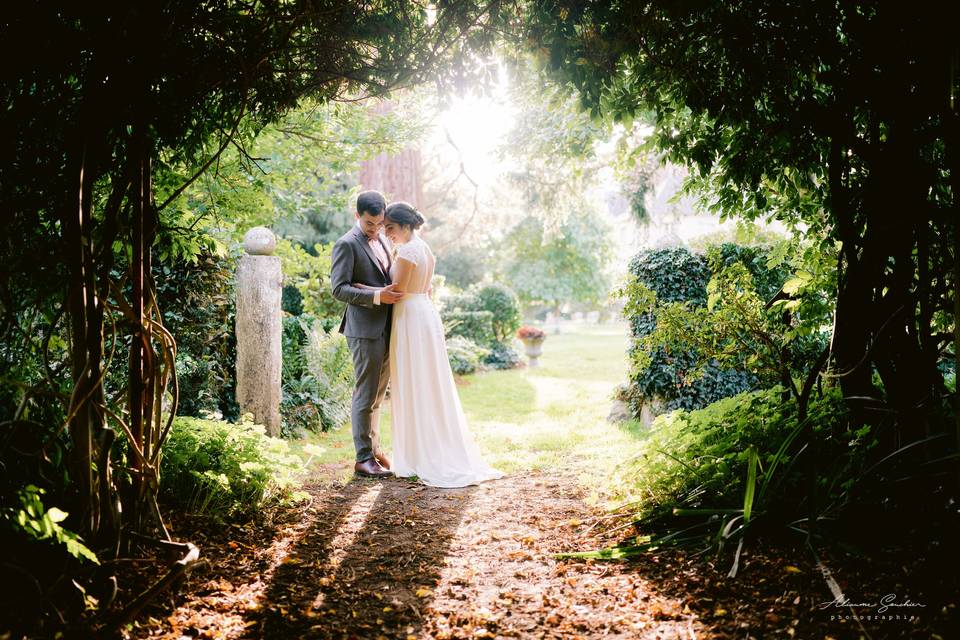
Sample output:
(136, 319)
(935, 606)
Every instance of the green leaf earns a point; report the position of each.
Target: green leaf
(793, 285)
(712, 300)
(56, 515)
(751, 484)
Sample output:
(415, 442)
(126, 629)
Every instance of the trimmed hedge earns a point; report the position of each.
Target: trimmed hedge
(487, 316)
(476, 326)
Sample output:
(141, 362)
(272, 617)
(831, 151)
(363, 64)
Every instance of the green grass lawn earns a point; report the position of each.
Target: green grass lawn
(551, 416)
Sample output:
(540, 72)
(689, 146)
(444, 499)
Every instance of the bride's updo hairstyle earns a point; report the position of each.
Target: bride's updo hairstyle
(403, 214)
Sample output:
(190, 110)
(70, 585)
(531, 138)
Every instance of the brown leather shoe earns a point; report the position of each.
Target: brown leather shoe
(371, 469)
(384, 461)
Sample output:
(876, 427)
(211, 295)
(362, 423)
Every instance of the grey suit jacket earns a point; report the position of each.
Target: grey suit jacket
(354, 261)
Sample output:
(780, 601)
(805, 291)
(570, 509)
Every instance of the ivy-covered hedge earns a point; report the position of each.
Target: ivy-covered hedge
(679, 275)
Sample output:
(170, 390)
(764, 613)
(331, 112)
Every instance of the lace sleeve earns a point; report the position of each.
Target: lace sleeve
(408, 252)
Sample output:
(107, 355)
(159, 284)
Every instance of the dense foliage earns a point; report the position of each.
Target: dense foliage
(698, 459)
(733, 466)
(317, 377)
(227, 470)
(196, 296)
(836, 118)
(667, 289)
(487, 316)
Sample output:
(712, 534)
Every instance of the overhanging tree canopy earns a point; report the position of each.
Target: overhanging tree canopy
(96, 96)
(838, 116)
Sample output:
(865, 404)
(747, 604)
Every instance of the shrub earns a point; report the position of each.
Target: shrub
(665, 363)
(666, 378)
(699, 458)
(225, 469)
(465, 355)
(487, 314)
(291, 300)
(503, 356)
(502, 303)
(476, 326)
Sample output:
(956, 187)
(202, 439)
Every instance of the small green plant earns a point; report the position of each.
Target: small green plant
(35, 521)
(317, 377)
(220, 468)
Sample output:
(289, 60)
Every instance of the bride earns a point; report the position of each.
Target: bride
(431, 439)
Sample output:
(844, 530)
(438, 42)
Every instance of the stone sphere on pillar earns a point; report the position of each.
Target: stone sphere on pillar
(260, 241)
(259, 327)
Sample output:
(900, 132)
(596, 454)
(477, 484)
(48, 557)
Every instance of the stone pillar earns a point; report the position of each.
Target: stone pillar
(259, 328)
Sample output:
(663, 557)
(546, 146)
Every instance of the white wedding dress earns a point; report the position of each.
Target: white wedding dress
(431, 439)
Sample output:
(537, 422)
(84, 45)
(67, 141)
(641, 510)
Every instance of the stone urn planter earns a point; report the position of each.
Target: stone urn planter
(532, 339)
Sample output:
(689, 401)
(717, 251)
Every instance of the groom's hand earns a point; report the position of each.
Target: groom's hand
(389, 294)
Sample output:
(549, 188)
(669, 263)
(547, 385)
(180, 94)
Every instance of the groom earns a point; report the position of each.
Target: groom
(361, 257)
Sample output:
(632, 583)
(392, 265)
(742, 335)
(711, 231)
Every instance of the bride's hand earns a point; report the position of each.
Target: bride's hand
(360, 285)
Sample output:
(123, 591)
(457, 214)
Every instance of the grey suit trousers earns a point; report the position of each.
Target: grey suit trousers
(371, 364)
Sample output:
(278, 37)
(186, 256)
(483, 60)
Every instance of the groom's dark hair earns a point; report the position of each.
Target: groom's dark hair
(371, 203)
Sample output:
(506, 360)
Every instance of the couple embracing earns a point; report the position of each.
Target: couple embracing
(382, 270)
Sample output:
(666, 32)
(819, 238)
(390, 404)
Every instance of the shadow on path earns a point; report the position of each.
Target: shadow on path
(366, 564)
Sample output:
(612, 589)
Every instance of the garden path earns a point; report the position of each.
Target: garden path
(395, 559)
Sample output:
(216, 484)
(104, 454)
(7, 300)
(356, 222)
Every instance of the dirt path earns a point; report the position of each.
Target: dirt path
(395, 559)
